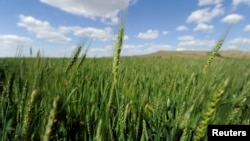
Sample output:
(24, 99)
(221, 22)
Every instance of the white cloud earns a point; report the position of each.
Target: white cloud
(232, 18)
(13, 40)
(101, 34)
(185, 38)
(238, 43)
(196, 43)
(140, 49)
(158, 47)
(89, 32)
(164, 32)
(208, 2)
(42, 29)
(91, 52)
(182, 28)
(105, 34)
(125, 37)
(247, 28)
(150, 34)
(204, 27)
(129, 49)
(189, 41)
(103, 9)
(180, 49)
(235, 3)
(232, 47)
(100, 51)
(10, 44)
(205, 15)
(65, 52)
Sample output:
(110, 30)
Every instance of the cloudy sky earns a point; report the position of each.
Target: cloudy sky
(56, 27)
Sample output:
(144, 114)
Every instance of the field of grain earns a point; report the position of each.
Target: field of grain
(130, 98)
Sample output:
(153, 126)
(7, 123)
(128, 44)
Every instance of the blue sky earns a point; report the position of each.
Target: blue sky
(56, 27)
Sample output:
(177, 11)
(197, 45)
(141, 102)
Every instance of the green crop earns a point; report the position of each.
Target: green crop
(124, 98)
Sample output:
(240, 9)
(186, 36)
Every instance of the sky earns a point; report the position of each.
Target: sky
(57, 27)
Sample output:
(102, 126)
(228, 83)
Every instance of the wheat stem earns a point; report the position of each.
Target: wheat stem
(53, 120)
(116, 62)
(26, 129)
(208, 113)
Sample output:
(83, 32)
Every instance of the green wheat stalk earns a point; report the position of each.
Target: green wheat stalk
(215, 51)
(208, 113)
(73, 59)
(179, 117)
(236, 112)
(99, 136)
(22, 100)
(144, 136)
(184, 136)
(116, 61)
(121, 120)
(26, 128)
(54, 118)
(213, 54)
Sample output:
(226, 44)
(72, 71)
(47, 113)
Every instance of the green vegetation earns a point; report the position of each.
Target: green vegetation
(132, 99)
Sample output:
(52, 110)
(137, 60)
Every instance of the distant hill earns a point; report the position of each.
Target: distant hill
(198, 54)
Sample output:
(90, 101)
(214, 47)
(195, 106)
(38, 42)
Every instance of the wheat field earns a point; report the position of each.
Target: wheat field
(121, 98)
